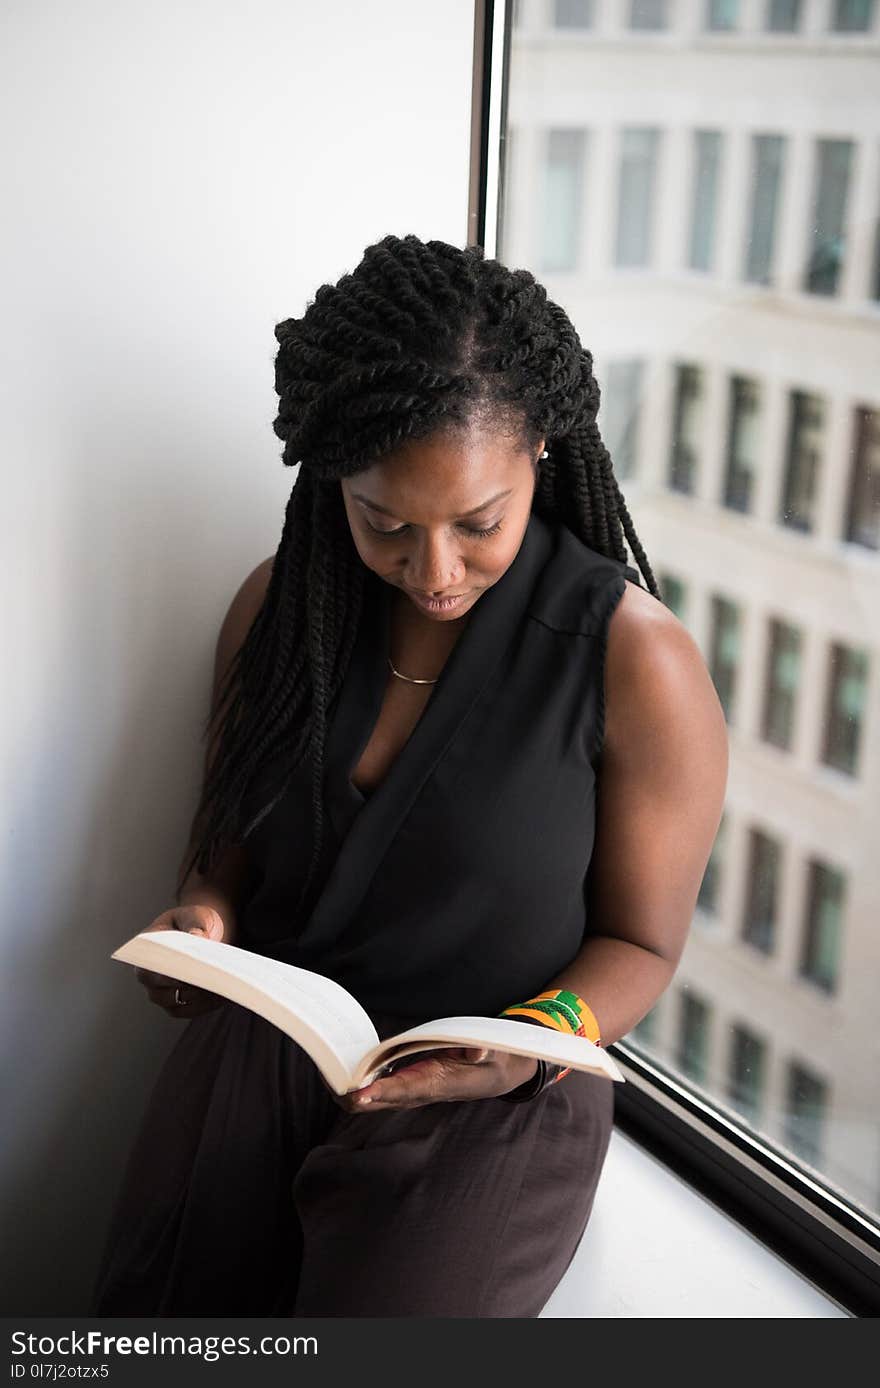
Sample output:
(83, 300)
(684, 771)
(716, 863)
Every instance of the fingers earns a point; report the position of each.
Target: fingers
(442, 1077)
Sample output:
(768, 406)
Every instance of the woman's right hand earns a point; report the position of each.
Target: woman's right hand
(196, 920)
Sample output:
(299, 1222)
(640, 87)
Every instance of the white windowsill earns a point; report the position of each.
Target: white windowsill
(656, 1248)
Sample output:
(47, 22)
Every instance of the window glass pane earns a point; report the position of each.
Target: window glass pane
(722, 14)
(863, 515)
(742, 442)
(647, 14)
(803, 460)
(573, 14)
(747, 1071)
(852, 16)
(783, 683)
(619, 414)
(820, 961)
(826, 241)
(687, 424)
(704, 204)
(768, 155)
(635, 195)
(717, 238)
(561, 207)
(784, 16)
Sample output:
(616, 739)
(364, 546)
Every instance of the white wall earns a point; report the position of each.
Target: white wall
(180, 176)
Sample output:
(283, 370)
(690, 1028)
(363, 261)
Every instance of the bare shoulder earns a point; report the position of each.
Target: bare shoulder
(660, 700)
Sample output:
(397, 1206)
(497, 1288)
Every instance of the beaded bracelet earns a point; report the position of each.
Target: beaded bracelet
(559, 1008)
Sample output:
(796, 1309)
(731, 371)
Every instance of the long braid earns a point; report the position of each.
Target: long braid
(421, 336)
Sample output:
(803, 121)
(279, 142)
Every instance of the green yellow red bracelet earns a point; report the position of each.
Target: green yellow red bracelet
(562, 1009)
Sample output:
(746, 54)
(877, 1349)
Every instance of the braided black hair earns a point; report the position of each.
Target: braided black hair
(421, 336)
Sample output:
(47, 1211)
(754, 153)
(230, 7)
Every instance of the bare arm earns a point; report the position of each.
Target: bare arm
(660, 795)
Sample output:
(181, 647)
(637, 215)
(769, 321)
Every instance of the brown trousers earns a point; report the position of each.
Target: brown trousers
(249, 1191)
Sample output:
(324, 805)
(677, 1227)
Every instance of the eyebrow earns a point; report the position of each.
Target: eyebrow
(374, 505)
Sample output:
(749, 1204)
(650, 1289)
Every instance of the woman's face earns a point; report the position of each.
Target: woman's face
(442, 518)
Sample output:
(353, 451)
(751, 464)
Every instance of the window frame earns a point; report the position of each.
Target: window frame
(817, 1232)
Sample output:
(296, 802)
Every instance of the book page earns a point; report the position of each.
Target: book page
(498, 1033)
(314, 1011)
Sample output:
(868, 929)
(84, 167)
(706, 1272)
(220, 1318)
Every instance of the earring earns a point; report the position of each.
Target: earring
(545, 454)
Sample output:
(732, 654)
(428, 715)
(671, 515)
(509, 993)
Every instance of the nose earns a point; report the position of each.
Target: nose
(436, 567)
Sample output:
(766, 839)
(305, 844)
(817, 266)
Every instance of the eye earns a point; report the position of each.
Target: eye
(468, 530)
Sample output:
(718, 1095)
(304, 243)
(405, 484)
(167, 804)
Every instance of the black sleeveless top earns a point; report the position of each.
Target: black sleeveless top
(457, 886)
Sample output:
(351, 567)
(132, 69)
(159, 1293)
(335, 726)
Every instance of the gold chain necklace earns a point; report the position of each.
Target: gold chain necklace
(409, 679)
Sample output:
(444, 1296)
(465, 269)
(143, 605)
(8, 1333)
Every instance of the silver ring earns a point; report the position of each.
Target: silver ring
(178, 1000)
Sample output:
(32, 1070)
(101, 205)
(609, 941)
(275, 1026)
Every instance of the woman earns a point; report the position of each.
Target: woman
(459, 763)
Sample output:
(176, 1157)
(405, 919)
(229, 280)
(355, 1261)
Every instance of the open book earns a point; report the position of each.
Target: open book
(330, 1025)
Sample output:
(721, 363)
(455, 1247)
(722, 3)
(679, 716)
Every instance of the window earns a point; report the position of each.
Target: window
(768, 153)
(747, 1072)
(852, 16)
(783, 16)
(708, 896)
(645, 1031)
(762, 892)
(820, 961)
(826, 242)
(573, 14)
(783, 678)
(863, 517)
(847, 689)
(635, 196)
(724, 653)
(742, 442)
(686, 429)
(803, 458)
(722, 14)
(731, 406)
(807, 1100)
(672, 592)
(647, 14)
(704, 198)
(563, 186)
(693, 1036)
(618, 417)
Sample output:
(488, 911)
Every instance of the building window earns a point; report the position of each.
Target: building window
(647, 14)
(645, 1031)
(687, 423)
(762, 891)
(863, 517)
(781, 687)
(693, 1037)
(562, 205)
(573, 14)
(672, 592)
(807, 1102)
(820, 961)
(825, 248)
(783, 16)
(768, 154)
(742, 442)
(710, 887)
(852, 16)
(722, 14)
(803, 457)
(704, 198)
(619, 414)
(724, 652)
(847, 690)
(747, 1072)
(635, 196)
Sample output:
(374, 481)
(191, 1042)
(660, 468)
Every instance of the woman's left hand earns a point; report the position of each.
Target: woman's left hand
(444, 1076)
